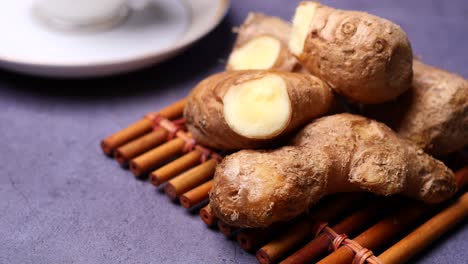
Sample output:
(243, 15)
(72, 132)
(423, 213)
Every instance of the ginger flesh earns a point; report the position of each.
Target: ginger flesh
(258, 108)
(259, 53)
(301, 21)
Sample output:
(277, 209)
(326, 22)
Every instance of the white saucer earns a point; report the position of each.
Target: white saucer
(146, 37)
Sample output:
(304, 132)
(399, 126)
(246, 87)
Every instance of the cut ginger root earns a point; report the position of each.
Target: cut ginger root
(338, 153)
(363, 57)
(253, 108)
(301, 21)
(258, 54)
(258, 108)
(262, 44)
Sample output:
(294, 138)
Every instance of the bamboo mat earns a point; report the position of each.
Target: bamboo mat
(383, 230)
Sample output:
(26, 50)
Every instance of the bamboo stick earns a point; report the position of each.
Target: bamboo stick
(140, 145)
(286, 241)
(174, 110)
(300, 231)
(207, 216)
(175, 167)
(310, 251)
(428, 232)
(155, 157)
(381, 232)
(190, 179)
(350, 226)
(390, 226)
(196, 195)
(462, 177)
(226, 229)
(135, 130)
(139, 128)
(253, 238)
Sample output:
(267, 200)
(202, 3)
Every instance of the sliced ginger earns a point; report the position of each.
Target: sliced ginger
(301, 22)
(258, 54)
(253, 108)
(258, 108)
(262, 43)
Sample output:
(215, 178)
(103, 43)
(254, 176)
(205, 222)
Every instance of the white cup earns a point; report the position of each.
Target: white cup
(82, 14)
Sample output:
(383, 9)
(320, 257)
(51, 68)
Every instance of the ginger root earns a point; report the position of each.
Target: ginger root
(433, 113)
(252, 109)
(339, 153)
(262, 43)
(363, 57)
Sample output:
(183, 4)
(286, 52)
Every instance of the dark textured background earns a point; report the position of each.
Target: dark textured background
(62, 201)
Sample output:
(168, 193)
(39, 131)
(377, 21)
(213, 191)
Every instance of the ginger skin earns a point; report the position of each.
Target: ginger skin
(363, 57)
(433, 113)
(253, 108)
(339, 153)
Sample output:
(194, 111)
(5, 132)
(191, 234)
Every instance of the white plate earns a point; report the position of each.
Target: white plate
(146, 37)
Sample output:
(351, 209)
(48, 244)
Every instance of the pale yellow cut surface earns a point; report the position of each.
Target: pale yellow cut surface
(301, 22)
(259, 53)
(258, 108)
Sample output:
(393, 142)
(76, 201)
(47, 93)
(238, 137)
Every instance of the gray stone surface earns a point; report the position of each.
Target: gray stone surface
(63, 201)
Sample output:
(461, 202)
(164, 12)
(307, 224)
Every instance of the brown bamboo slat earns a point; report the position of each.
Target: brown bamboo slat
(170, 170)
(140, 145)
(253, 238)
(139, 128)
(424, 235)
(226, 229)
(156, 157)
(350, 226)
(190, 179)
(303, 229)
(207, 216)
(196, 195)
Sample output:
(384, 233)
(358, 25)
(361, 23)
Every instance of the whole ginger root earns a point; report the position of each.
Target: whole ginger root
(262, 44)
(433, 113)
(363, 57)
(253, 109)
(338, 153)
